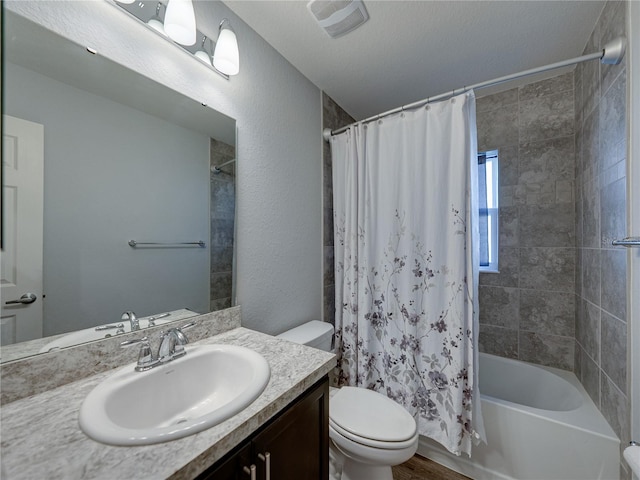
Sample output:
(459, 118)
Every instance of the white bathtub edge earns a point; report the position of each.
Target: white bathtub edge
(460, 464)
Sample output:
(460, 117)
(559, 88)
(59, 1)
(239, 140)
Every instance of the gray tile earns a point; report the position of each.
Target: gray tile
(591, 214)
(327, 230)
(591, 278)
(221, 259)
(330, 304)
(588, 330)
(591, 142)
(509, 266)
(591, 378)
(498, 341)
(613, 212)
(577, 360)
(327, 183)
(333, 115)
(547, 269)
(591, 74)
(579, 141)
(223, 197)
(498, 128)
(221, 150)
(546, 117)
(614, 282)
(222, 232)
(557, 84)
(499, 306)
(328, 266)
(221, 285)
(577, 95)
(549, 350)
(613, 24)
(614, 350)
(497, 100)
(509, 226)
(546, 312)
(219, 304)
(508, 165)
(548, 225)
(613, 131)
(579, 216)
(615, 409)
(547, 161)
(578, 272)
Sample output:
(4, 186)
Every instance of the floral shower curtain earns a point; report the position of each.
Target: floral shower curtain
(406, 261)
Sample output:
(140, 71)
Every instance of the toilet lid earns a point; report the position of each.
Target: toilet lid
(368, 414)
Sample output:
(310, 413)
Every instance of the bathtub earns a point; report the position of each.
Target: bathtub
(540, 424)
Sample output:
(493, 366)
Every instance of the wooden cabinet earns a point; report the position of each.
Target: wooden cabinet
(294, 445)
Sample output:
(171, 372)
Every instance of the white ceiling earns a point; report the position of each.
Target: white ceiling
(409, 50)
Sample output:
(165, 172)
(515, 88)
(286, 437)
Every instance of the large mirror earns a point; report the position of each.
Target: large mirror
(111, 198)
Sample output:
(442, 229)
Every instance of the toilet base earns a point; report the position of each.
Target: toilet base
(341, 467)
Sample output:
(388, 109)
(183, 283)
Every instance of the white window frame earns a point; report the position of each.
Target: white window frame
(492, 182)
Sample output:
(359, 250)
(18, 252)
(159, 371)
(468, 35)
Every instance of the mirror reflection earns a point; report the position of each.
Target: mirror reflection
(95, 156)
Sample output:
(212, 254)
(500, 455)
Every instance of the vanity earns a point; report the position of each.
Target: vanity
(284, 431)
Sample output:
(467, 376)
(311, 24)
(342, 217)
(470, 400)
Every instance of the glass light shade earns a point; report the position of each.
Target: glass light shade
(180, 22)
(226, 57)
(204, 56)
(157, 25)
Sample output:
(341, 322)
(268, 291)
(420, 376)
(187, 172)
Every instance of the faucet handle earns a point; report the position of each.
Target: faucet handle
(146, 360)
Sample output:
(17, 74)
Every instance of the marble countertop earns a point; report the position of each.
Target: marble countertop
(41, 437)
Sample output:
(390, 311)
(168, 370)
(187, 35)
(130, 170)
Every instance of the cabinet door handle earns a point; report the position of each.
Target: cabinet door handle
(250, 471)
(266, 458)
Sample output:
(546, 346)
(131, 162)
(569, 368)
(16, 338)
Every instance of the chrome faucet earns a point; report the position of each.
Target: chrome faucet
(172, 344)
(129, 316)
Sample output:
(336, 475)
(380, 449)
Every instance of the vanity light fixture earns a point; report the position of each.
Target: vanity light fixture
(178, 26)
(202, 54)
(155, 22)
(180, 22)
(226, 57)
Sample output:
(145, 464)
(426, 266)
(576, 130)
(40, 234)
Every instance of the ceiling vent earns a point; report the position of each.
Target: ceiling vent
(338, 17)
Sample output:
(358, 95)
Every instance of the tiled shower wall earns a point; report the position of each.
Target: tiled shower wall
(601, 149)
(333, 117)
(222, 211)
(527, 310)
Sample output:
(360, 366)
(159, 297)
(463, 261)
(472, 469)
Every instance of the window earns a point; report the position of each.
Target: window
(488, 210)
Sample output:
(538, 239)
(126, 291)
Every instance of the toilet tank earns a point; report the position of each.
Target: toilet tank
(315, 334)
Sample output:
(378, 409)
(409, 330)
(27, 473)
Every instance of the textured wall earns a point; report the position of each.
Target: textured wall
(601, 148)
(279, 251)
(527, 310)
(333, 117)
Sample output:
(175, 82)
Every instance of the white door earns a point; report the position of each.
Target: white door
(22, 207)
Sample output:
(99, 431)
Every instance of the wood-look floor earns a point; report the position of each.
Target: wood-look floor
(420, 468)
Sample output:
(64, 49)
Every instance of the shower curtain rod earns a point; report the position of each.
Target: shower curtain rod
(611, 54)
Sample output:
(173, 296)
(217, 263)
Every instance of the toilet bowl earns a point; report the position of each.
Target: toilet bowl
(368, 432)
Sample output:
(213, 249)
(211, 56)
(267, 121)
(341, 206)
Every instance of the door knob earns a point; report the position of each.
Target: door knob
(25, 299)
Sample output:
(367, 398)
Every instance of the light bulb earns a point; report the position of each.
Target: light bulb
(180, 22)
(226, 57)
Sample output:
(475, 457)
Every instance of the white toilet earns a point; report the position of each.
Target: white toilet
(369, 432)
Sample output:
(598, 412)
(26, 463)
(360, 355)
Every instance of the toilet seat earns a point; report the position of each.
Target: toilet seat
(370, 442)
(369, 418)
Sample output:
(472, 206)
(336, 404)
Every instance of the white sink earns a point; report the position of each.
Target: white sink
(210, 384)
